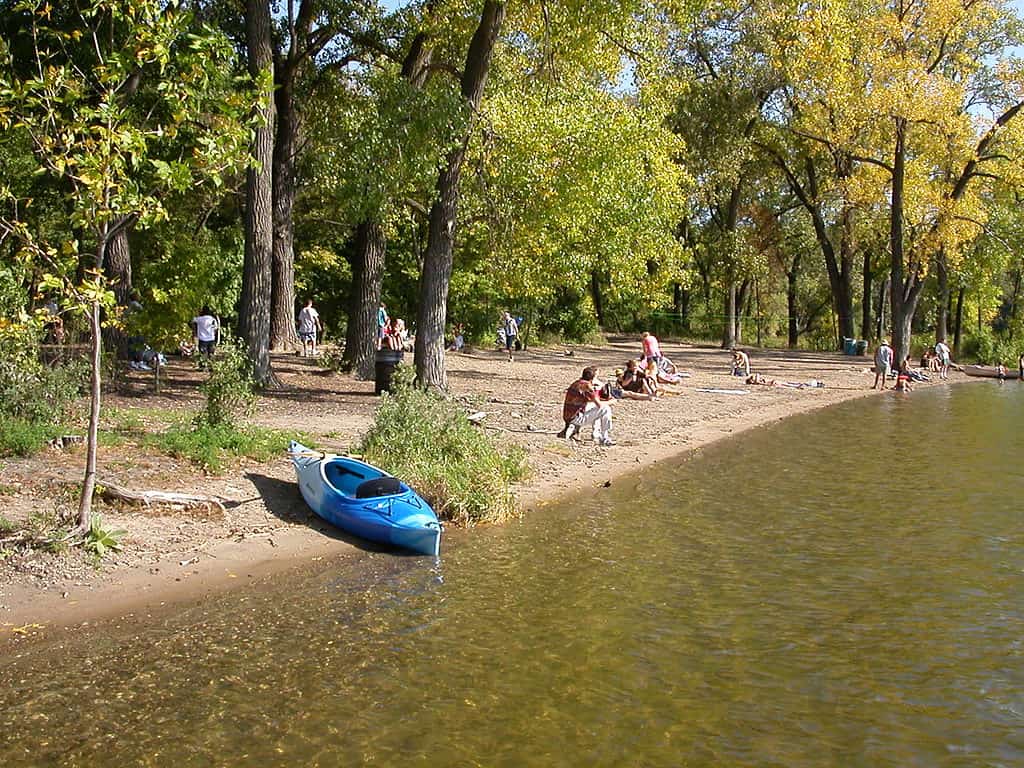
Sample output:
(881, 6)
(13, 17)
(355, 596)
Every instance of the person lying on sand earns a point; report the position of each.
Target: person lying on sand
(757, 378)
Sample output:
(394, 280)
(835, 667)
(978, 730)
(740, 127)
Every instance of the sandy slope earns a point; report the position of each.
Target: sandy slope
(267, 528)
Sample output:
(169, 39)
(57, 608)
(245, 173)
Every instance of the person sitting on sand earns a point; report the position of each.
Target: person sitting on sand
(582, 406)
(740, 362)
(636, 389)
(635, 381)
(903, 376)
(657, 381)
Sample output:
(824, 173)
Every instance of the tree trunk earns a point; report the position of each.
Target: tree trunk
(1014, 297)
(958, 322)
(729, 309)
(254, 315)
(840, 272)
(371, 249)
(282, 315)
(742, 305)
(595, 292)
(437, 262)
(117, 266)
(883, 301)
(906, 284)
(367, 276)
(793, 326)
(942, 302)
(865, 302)
(95, 395)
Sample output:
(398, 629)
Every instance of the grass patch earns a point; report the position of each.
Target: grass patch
(458, 468)
(7, 526)
(210, 445)
(22, 437)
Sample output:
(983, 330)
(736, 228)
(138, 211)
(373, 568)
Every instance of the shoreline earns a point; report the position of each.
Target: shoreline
(171, 560)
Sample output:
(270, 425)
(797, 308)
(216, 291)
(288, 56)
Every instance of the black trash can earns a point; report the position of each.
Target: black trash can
(384, 368)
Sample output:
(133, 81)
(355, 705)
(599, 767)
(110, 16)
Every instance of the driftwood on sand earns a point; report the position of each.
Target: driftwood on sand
(112, 492)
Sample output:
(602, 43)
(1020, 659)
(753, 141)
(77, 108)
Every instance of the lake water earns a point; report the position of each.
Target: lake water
(843, 589)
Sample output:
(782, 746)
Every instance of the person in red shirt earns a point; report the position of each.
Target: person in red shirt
(583, 407)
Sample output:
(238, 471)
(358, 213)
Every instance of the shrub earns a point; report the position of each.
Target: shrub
(427, 441)
(989, 348)
(32, 391)
(229, 390)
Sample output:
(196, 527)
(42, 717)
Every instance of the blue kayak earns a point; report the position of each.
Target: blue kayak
(365, 501)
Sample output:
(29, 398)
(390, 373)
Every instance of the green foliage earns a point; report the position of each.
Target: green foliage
(427, 441)
(209, 445)
(989, 348)
(7, 526)
(229, 389)
(22, 437)
(34, 398)
(100, 540)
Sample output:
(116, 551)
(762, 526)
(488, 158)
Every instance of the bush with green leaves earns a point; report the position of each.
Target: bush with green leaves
(30, 390)
(990, 348)
(230, 390)
(34, 398)
(427, 441)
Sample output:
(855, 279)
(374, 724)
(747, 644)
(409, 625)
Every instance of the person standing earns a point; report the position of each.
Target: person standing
(511, 328)
(942, 352)
(382, 323)
(309, 326)
(583, 406)
(206, 331)
(1020, 366)
(883, 362)
(652, 349)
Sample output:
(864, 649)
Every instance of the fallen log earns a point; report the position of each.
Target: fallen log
(112, 492)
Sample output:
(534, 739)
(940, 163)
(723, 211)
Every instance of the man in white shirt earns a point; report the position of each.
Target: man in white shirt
(309, 327)
(943, 353)
(207, 328)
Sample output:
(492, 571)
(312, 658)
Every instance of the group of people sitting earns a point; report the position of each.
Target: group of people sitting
(645, 378)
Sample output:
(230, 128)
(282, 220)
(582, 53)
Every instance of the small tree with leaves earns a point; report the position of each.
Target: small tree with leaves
(125, 103)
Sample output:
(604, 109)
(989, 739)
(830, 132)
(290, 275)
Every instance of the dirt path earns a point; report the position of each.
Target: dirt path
(266, 527)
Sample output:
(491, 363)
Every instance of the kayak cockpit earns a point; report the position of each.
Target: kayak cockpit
(360, 482)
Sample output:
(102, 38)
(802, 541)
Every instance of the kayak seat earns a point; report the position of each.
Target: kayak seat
(378, 486)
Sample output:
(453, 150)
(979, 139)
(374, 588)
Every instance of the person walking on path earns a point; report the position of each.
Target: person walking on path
(511, 328)
(942, 352)
(583, 406)
(206, 330)
(883, 362)
(309, 327)
(382, 323)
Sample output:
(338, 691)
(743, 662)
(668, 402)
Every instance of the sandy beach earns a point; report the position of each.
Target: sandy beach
(265, 529)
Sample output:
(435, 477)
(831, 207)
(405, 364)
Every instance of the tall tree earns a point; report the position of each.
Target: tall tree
(437, 263)
(254, 317)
